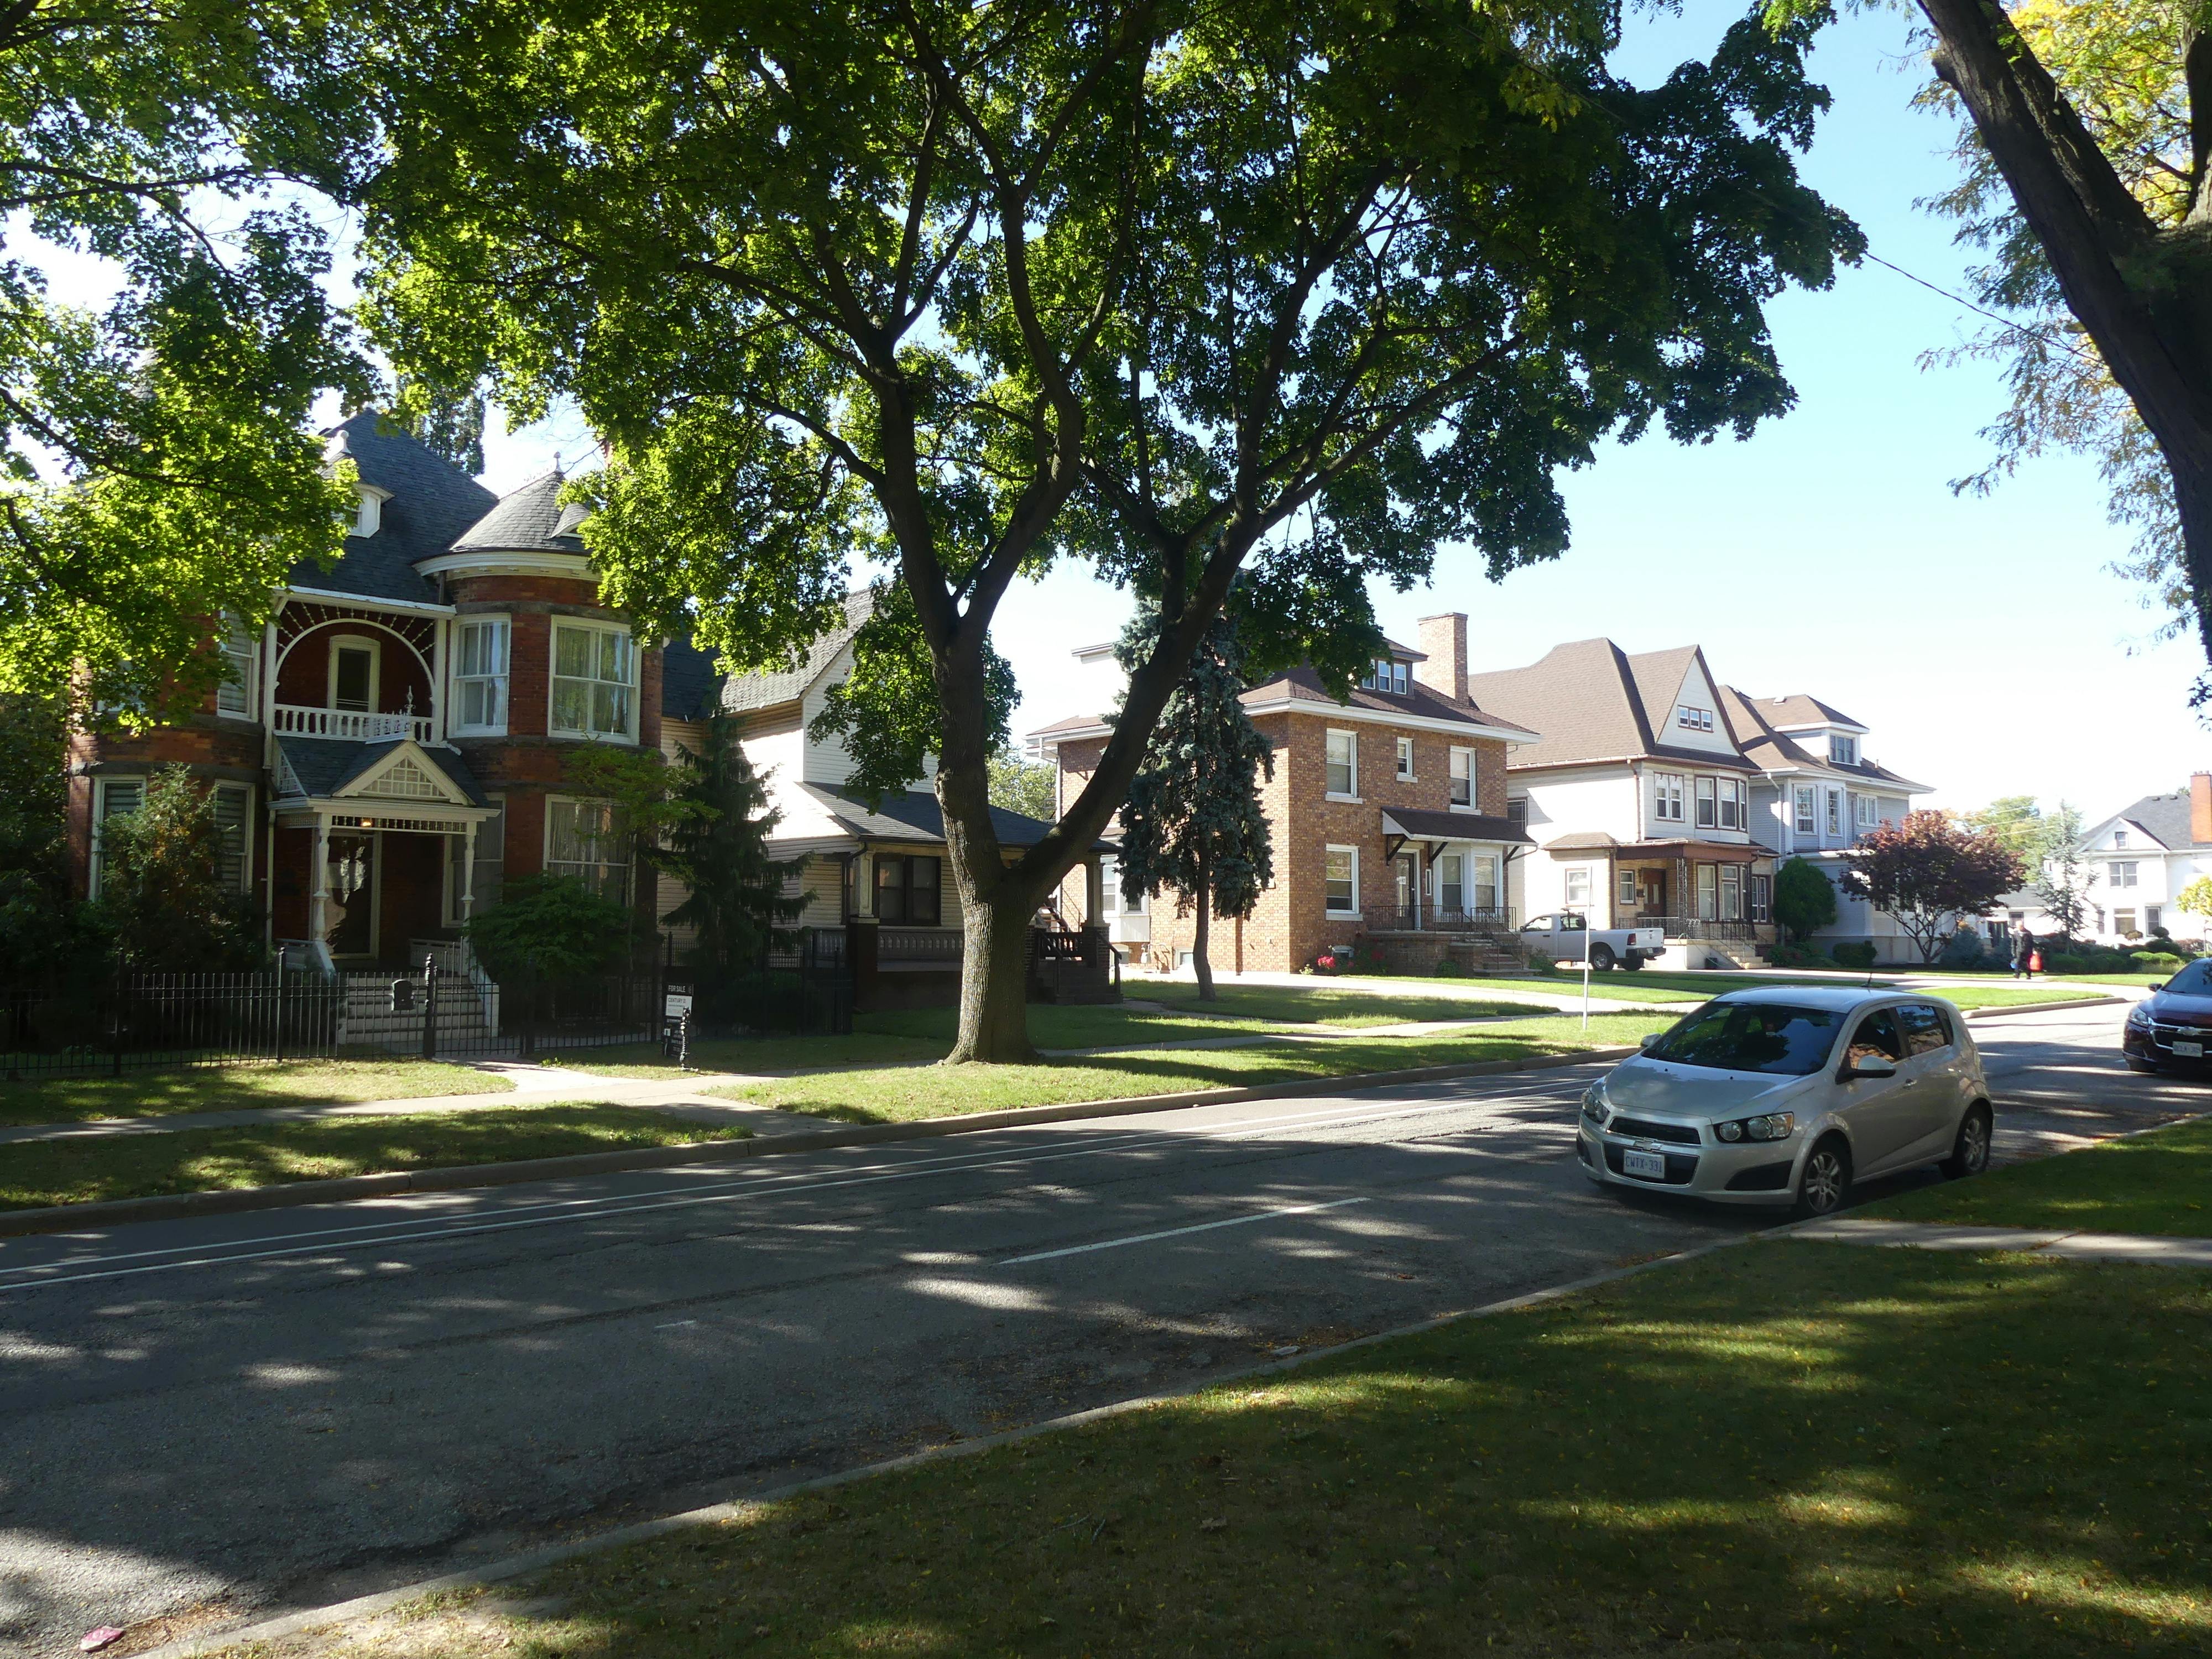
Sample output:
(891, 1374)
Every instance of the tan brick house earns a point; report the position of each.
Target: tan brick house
(1387, 813)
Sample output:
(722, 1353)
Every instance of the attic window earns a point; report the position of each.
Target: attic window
(1389, 675)
(1692, 718)
(1842, 751)
(368, 513)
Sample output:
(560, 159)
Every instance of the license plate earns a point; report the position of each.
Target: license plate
(2189, 1050)
(1650, 1166)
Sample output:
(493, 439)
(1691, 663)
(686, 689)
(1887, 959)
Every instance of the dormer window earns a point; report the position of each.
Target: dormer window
(2119, 838)
(1691, 718)
(1389, 675)
(1842, 751)
(368, 513)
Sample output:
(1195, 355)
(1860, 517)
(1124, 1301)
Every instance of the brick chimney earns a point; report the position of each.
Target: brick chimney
(2200, 808)
(1443, 641)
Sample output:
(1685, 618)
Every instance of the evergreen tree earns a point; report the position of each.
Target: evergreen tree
(1804, 899)
(738, 906)
(1193, 821)
(45, 935)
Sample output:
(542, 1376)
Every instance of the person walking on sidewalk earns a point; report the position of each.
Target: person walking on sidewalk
(2023, 955)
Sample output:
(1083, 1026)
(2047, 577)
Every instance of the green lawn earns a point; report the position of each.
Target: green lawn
(1646, 986)
(229, 1088)
(1322, 1004)
(912, 1092)
(1782, 1450)
(2160, 1183)
(43, 1172)
(646, 1060)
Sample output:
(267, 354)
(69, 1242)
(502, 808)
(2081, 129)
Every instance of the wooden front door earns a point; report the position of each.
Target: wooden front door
(1651, 892)
(352, 885)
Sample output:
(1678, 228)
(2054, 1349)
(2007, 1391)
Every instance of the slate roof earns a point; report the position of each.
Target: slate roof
(689, 680)
(326, 765)
(766, 691)
(914, 817)
(432, 501)
(1590, 701)
(529, 518)
(2163, 818)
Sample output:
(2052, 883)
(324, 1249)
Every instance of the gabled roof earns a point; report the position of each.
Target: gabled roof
(1776, 751)
(430, 501)
(2163, 818)
(1798, 710)
(1303, 685)
(767, 689)
(323, 766)
(1592, 702)
(914, 817)
(527, 519)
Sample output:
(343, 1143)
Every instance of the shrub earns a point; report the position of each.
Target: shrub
(2156, 961)
(1963, 948)
(1855, 953)
(1799, 956)
(162, 894)
(1804, 899)
(552, 927)
(2064, 961)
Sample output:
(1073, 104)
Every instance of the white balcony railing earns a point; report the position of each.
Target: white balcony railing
(296, 721)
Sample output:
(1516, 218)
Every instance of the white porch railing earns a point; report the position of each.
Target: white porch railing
(349, 723)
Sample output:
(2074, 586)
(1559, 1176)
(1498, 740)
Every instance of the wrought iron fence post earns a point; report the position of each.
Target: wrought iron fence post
(279, 1042)
(430, 1005)
(115, 1023)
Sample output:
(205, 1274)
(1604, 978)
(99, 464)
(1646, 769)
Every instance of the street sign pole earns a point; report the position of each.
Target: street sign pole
(1586, 972)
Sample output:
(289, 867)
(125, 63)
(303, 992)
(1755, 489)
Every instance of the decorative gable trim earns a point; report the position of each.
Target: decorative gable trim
(407, 774)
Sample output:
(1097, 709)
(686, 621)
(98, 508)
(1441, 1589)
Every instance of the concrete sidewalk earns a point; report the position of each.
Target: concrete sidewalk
(2071, 1246)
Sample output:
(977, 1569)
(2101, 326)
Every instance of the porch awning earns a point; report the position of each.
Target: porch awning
(392, 783)
(1702, 852)
(1415, 825)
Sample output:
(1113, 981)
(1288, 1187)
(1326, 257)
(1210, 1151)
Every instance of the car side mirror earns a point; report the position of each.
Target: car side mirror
(1649, 1038)
(2158, 985)
(1871, 1066)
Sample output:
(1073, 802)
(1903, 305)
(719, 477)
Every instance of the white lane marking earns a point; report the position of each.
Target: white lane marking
(593, 1209)
(1178, 1233)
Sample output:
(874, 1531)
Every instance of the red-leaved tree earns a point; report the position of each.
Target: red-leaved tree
(1928, 872)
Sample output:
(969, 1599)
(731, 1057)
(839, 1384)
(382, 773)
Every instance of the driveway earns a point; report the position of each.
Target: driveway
(250, 1411)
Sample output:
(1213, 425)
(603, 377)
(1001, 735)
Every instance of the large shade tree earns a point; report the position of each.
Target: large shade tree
(2088, 180)
(156, 465)
(1292, 292)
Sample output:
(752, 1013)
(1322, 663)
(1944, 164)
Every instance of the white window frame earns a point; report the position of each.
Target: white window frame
(1625, 889)
(1709, 803)
(2126, 873)
(2119, 839)
(1455, 863)
(1864, 811)
(1462, 772)
(1804, 810)
(2124, 921)
(1351, 751)
(1577, 877)
(1667, 792)
(1328, 905)
(101, 812)
(363, 641)
(1842, 751)
(1691, 718)
(1835, 811)
(1731, 893)
(1732, 803)
(1405, 760)
(627, 865)
(1485, 885)
(241, 652)
(504, 680)
(555, 679)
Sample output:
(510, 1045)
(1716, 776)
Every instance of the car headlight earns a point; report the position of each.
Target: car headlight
(1771, 1125)
(1595, 1106)
(2140, 1014)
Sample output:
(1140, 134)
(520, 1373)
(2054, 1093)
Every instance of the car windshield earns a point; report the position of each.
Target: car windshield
(1752, 1036)
(2194, 981)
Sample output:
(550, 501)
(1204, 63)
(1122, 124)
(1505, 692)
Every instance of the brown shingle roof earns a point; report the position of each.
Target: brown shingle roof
(1591, 700)
(1302, 685)
(1798, 709)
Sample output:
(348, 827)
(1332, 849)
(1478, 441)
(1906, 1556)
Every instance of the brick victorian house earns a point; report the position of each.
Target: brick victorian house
(392, 746)
(1387, 814)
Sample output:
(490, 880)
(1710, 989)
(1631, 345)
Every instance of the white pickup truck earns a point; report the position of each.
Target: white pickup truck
(1560, 938)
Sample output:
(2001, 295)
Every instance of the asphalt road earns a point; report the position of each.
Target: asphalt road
(289, 1408)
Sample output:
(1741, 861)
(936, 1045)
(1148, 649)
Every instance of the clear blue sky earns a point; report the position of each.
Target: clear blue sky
(1983, 640)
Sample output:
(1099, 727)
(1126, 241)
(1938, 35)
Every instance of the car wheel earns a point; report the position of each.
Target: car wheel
(1970, 1153)
(1825, 1178)
(1601, 956)
(1634, 960)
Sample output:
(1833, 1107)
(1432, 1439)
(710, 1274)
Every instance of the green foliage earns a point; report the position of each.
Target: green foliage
(2061, 880)
(155, 467)
(2195, 899)
(1024, 787)
(1855, 953)
(1797, 955)
(1193, 822)
(887, 710)
(551, 928)
(738, 904)
(2155, 961)
(45, 934)
(161, 893)
(2016, 822)
(1804, 899)
(1963, 948)
(1928, 872)
(648, 793)
(950, 288)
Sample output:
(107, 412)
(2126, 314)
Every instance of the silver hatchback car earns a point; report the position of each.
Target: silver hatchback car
(1786, 1094)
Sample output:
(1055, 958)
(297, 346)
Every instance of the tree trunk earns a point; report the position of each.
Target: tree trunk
(995, 986)
(1201, 935)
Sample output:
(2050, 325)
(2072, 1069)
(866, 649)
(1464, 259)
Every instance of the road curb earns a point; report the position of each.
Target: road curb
(111, 1212)
(2007, 1009)
(531, 1561)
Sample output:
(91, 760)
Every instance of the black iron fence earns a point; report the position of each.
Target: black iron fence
(1696, 927)
(1438, 919)
(152, 1020)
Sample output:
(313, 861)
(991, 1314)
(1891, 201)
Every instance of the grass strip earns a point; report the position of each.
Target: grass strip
(910, 1093)
(44, 1172)
(230, 1088)
(2158, 1182)
(1782, 1450)
(1320, 1005)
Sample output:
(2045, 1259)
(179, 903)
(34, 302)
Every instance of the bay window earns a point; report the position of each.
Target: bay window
(1706, 819)
(1667, 797)
(594, 680)
(1804, 818)
(481, 646)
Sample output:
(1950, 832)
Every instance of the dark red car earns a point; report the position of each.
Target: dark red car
(2172, 1028)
